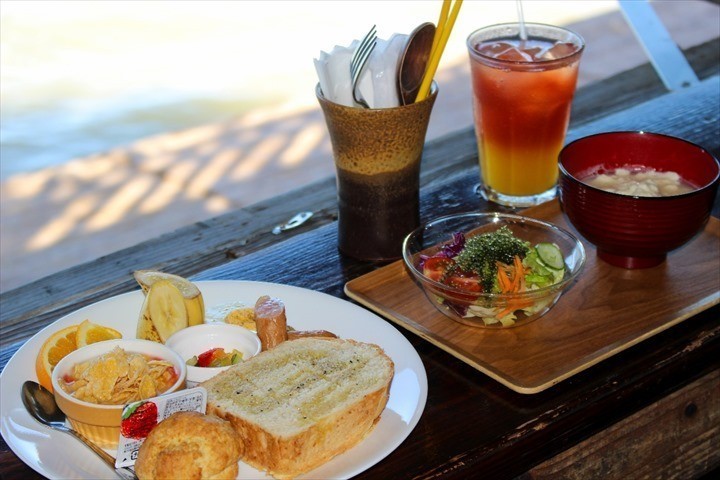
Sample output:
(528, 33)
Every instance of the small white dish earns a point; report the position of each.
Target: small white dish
(192, 341)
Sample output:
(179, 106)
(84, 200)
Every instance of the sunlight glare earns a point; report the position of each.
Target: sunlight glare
(26, 185)
(59, 228)
(258, 157)
(120, 203)
(169, 190)
(211, 172)
(305, 141)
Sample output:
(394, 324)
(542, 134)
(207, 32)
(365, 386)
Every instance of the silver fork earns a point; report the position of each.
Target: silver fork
(358, 61)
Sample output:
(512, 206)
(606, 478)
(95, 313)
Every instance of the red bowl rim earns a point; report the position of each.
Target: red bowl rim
(696, 191)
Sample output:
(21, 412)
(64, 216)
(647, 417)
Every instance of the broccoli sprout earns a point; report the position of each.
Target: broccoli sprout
(482, 251)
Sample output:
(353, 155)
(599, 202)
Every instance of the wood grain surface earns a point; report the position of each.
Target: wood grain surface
(689, 417)
(606, 311)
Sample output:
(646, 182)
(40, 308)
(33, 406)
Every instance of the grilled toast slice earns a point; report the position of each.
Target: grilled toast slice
(303, 402)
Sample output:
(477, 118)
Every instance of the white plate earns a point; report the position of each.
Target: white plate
(57, 455)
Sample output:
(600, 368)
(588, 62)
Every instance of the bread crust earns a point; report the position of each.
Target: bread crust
(296, 334)
(287, 456)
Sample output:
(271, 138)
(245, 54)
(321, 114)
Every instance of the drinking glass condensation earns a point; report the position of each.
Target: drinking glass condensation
(377, 153)
(522, 93)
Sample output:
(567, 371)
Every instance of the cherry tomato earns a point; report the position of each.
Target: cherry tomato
(435, 267)
(465, 283)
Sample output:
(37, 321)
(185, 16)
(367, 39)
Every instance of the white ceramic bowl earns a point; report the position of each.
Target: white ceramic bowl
(101, 423)
(193, 341)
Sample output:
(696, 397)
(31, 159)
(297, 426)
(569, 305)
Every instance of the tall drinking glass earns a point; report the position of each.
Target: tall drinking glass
(377, 153)
(522, 93)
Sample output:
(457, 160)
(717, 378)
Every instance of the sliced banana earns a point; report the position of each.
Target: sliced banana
(195, 310)
(145, 328)
(191, 293)
(166, 308)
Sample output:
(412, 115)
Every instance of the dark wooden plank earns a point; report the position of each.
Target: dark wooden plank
(689, 417)
(693, 114)
(639, 85)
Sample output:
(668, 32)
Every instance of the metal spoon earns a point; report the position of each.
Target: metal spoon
(413, 62)
(294, 222)
(40, 404)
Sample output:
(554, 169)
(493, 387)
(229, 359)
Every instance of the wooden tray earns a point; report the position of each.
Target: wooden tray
(606, 311)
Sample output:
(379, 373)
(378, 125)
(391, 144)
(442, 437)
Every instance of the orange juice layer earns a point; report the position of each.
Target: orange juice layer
(518, 171)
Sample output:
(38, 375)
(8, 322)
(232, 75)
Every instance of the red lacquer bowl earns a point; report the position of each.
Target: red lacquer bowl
(631, 231)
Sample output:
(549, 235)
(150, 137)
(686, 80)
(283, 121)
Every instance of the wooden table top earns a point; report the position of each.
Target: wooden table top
(471, 423)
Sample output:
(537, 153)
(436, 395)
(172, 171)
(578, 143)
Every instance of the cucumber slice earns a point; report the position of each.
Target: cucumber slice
(550, 255)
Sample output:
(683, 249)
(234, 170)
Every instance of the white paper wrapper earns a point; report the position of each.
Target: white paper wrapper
(378, 80)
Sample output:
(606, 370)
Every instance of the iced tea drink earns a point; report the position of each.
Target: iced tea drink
(522, 93)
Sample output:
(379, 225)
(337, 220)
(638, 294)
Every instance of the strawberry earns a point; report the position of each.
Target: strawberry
(138, 420)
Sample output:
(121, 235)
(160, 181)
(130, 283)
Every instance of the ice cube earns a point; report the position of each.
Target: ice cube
(493, 49)
(559, 50)
(515, 55)
(535, 52)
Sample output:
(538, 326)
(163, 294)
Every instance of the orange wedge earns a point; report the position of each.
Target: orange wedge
(88, 333)
(65, 341)
(52, 351)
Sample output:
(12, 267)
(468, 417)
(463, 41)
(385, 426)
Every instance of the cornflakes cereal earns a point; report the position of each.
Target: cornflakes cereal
(119, 377)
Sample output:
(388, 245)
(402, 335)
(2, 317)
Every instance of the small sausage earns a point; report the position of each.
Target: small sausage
(270, 321)
(295, 334)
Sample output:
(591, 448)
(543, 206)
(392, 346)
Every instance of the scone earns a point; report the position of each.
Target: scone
(189, 445)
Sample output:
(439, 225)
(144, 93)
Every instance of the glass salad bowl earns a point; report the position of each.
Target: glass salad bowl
(493, 270)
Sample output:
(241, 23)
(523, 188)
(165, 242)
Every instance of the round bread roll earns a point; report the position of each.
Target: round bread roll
(189, 445)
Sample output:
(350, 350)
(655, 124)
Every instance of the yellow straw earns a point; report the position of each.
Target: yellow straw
(440, 26)
(434, 61)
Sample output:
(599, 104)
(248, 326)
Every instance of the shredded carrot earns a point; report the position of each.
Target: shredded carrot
(503, 280)
(516, 271)
(511, 278)
(519, 274)
(519, 270)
